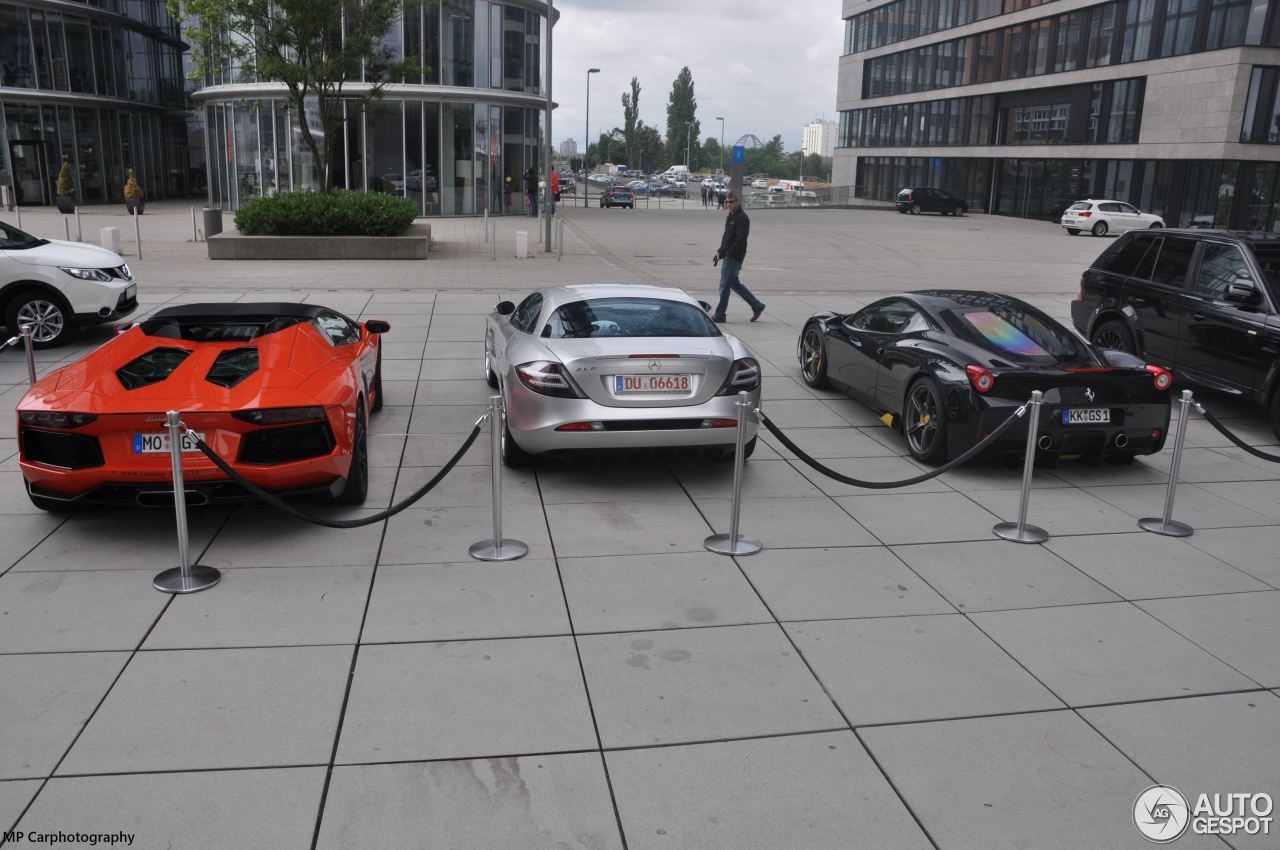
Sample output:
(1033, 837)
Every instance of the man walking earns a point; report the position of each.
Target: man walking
(733, 251)
(555, 191)
(531, 190)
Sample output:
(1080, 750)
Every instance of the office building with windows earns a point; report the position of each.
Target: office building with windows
(455, 139)
(1023, 106)
(820, 137)
(100, 84)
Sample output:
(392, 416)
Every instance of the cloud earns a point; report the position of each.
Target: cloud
(769, 68)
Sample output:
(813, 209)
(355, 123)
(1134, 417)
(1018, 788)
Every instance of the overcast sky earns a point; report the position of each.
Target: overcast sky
(767, 66)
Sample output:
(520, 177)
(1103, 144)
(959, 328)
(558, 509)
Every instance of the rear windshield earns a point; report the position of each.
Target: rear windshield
(1020, 335)
(1081, 205)
(214, 331)
(644, 317)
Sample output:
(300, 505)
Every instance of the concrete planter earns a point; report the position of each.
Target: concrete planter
(414, 245)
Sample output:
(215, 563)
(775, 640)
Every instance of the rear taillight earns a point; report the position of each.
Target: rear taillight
(547, 378)
(54, 419)
(743, 375)
(908, 198)
(1163, 377)
(1085, 214)
(982, 379)
(1080, 294)
(581, 426)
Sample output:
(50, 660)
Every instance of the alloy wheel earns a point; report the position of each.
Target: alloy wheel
(915, 209)
(1110, 338)
(922, 419)
(45, 318)
(812, 364)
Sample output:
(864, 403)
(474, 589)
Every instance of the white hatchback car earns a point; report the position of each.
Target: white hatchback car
(1103, 217)
(57, 286)
(760, 183)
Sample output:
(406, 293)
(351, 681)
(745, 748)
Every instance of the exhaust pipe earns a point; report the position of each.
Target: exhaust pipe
(164, 498)
(1045, 443)
(1122, 440)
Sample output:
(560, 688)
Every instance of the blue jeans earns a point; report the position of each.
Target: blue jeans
(533, 204)
(729, 268)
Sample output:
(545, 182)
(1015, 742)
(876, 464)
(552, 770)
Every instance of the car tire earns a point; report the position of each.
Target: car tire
(1275, 411)
(915, 209)
(377, 382)
(1155, 225)
(1073, 231)
(513, 456)
(356, 489)
(490, 377)
(47, 312)
(1114, 334)
(1099, 229)
(813, 357)
(958, 212)
(927, 439)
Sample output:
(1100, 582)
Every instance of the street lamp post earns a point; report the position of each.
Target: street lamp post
(721, 120)
(549, 200)
(688, 145)
(586, 155)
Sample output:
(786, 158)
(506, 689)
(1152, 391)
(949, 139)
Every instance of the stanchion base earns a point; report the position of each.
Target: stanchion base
(493, 550)
(1172, 528)
(1028, 533)
(721, 544)
(201, 578)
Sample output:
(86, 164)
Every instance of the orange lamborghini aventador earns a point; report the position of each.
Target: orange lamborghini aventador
(281, 391)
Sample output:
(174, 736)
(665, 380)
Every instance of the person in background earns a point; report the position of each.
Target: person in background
(733, 251)
(531, 190)
(555, 190)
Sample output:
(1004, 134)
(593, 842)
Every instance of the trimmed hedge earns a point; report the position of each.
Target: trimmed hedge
(338, 213)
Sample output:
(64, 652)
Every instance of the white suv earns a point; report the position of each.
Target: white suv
(57, 286)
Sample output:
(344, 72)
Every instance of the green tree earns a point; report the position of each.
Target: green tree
(711, 153)
(682, 119)
(314, 47)
(631, 121)
(650, 153)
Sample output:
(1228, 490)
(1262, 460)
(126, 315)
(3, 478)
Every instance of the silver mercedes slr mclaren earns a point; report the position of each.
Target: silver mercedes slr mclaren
(614, 366)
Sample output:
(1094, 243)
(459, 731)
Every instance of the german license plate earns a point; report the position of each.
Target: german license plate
(1086, 415)
(628, 384)
(149, 444)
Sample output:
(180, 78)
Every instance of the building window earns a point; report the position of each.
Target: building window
(1179, 27)
(1138, 18)
(1102, 27)
(1126, 104)
(1044, 124)
(1227, 22)
(1262, 108)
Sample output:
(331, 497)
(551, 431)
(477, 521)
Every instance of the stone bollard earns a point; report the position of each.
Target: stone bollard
(522, 244)
(110, 238)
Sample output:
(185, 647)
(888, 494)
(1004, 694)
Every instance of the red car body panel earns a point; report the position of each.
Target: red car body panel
(298, 367)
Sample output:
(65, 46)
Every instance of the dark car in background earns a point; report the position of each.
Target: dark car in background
(618, 196)
(1201, 302)
(928, 199)
(946, 367)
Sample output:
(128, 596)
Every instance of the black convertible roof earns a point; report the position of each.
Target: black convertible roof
(242, 310)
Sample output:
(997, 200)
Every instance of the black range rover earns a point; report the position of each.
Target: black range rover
(1204, 303)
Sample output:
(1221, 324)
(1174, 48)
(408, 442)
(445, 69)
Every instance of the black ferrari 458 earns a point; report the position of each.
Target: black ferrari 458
(946, 367)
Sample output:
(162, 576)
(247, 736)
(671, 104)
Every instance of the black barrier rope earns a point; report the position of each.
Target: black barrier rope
(906, 482)
(282, 505)
(1222, 429)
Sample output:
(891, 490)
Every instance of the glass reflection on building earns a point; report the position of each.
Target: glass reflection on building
(455, 138)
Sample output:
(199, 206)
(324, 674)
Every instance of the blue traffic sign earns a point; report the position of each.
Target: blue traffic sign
(739, 154)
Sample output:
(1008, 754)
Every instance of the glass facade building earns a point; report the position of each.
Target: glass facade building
(1022, 108)
(99, 84)
(455, 139)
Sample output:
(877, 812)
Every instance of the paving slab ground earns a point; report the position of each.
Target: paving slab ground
(885, 674)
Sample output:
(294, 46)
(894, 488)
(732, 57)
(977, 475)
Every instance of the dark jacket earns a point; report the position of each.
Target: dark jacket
(530, 181)
(736, 228)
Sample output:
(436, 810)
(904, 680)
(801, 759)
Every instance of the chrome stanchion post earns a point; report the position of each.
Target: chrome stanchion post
(28, 343)
(137, 232)
(734, 543)
(186, 577)
(195, 236)
(79, 234)
(486, 225)
(560, 240)
(493, 243)
(66, 228)
(498, 548)
(1166, 524)
(1019, 531)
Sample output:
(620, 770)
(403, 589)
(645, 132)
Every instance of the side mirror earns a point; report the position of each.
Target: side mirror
(505, 308)
(377, 326)
(1118, 359)
(1241, 291)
